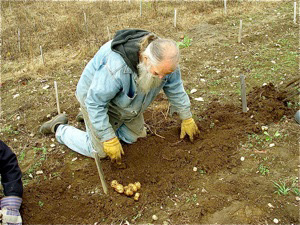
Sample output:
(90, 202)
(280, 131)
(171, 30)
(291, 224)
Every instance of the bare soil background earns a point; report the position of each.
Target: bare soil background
(236, 167)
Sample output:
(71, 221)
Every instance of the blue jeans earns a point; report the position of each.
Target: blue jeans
(80, 141)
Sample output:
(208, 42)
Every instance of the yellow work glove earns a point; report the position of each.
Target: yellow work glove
(113, 149)
(189, 127)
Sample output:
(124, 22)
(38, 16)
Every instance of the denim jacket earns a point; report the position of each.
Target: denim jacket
(107, 88)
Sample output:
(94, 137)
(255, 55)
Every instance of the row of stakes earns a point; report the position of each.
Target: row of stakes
(175, 21)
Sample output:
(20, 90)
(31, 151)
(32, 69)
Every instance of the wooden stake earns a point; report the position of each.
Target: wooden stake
(85, 22)
(140, 8)
(295, 11)
(175, 17)
(100, 172)
(108, 32)
(56, 95)
(243, 92)
(19, 39)
(225, 7)
(42, 56)
(240, 31)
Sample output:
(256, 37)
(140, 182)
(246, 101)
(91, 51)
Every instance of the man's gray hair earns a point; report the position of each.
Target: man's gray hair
(162, 49)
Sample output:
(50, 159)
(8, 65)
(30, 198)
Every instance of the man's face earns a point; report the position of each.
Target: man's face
(151, 76)
(146, 80)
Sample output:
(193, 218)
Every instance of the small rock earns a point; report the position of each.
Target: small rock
(69, 186)
(200, 99)
(46, 87)
(39, 172)
(218, 71)
(30, 175)
(193, 91)
(298, 198)
(52, 139)
(236, 57)
(197, 204)
(271, 145)
(264, 128)
(52, 145)
(273, 62)
(154, 217)
(275, 220)
(203, 190)
(16, 95)
(31, 135)
(202, 80)
(165, 223)
(264, 84)
(74, 159)
(18, 117)
(48, 116)
(242, 158)
(270, 205)
(195, 169)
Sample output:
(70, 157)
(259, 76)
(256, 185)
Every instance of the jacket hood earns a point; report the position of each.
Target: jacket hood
(126, 43)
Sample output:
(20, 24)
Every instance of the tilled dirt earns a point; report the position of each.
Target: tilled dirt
(163, 165)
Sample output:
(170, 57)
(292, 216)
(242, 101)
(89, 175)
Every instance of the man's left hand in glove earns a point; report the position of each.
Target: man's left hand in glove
(189, 127)
(10, 207)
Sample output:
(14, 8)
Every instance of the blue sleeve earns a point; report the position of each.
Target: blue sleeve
(177, 96)
(103, 89)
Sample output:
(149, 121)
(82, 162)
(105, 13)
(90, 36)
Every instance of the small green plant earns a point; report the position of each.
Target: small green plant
(192, 199)
(9, 130)
(186, 42)
(21, 156)
(263, 169)
(296, 191)
(281, 187)
(41, 203)
(202, 171)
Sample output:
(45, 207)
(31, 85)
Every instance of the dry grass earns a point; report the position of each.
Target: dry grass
(60, 29)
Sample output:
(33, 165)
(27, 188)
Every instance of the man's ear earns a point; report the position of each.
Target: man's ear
(145, 59)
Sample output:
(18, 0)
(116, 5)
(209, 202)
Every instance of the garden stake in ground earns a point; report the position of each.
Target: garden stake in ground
(100, 171)
(243, 91)
(56, 95)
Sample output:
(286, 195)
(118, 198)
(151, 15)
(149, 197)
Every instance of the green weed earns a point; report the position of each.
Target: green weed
(193, 198)
(186, 42)
(263, 169)
(41, 203)
(281, 187)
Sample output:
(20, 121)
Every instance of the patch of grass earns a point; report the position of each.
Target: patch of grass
(9, 130)
(281, 188)
(21, 156)
(263, 169)
(193, 198)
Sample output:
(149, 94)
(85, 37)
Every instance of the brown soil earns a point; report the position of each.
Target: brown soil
(162, 165)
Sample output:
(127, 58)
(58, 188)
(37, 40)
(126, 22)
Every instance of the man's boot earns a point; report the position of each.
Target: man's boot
(79, 117)
(49, 127)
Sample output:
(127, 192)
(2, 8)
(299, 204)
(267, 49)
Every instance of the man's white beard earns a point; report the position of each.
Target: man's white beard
(146, 80)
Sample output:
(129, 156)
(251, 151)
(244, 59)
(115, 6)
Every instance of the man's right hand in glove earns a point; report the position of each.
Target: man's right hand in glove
(113, 149)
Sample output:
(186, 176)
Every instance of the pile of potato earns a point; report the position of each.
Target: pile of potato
(129, 190)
